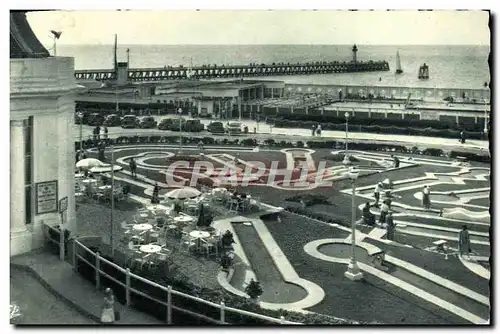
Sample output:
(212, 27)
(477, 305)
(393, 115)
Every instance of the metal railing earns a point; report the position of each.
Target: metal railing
(77, 246)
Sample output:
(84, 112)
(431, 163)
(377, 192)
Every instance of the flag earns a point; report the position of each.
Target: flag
(57, 34)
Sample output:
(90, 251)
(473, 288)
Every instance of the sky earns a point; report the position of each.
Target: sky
(265, 27)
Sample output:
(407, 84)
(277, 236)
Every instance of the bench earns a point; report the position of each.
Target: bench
(440, 244)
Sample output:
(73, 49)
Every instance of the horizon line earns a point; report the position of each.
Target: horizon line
(252, 44)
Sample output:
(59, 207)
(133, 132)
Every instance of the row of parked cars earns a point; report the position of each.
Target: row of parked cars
(149, 122)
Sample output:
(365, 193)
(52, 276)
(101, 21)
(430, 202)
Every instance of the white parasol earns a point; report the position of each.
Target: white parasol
(89, 163)
(183, 193)
(105, 169)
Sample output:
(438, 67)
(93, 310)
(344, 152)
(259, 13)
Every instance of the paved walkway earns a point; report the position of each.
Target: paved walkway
(284, 133)
(59, 278)
(33, 304)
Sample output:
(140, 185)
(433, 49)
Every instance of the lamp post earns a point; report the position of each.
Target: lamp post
(80, 117)
(346, 161)
(179, 111)
(353, 273)
(111, 223)
(55, 36)
(485, 117)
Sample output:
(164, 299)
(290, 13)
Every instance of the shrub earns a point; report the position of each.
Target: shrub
(248, 142)
(309, 199)
(269, 142)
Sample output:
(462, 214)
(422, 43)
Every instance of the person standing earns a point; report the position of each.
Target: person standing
(155, 198)
(464, 241)
(105, 132)
(396, 161)
(384, 210)
(426, 198)
(133, 167)
(98, 132)
(108, 309)
(376, 193)
(462, 137)
(318, 130)
(313, 130)
(390, 227)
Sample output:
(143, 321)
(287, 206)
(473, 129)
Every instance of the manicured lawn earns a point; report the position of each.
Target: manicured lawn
(275, 289)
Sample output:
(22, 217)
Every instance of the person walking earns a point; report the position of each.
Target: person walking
(376, 193)
(105, 132)
(108, 309)
(318, 130)
(426, 197)
(464, 241)
(390, 227)
(133, 167)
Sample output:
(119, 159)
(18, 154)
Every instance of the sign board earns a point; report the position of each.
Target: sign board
(429, 115)
(63, 204)
(46, 197)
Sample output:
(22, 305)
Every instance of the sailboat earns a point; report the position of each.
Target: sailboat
(399, 70)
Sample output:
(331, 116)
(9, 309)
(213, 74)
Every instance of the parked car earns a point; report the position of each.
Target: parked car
(130, 122)
(194, 125)
(233, 128)
(174, 126)
(95, 119)
(112, 120)
(165, 124)
(215, 128)
(147, 122)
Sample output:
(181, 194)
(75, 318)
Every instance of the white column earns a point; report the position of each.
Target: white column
(17, 179)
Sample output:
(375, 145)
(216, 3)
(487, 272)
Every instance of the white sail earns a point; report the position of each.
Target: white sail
(398, 64)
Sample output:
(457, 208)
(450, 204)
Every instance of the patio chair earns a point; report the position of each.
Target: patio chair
(187, 242)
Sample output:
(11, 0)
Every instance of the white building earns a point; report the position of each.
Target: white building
(42, 147)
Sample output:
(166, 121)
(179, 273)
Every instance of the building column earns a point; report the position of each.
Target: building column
(272, 93)
(17, 177)
(262, 93)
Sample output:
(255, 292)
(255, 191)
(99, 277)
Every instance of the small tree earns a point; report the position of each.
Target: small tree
(254, 289)
(227, 239)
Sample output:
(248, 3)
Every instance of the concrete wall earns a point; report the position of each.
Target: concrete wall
(397, 92)
(44, 89)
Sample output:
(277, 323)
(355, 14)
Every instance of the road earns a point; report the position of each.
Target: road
(267, 131)
(37, 306)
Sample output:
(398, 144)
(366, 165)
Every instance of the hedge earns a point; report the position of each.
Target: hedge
(360, 120)
(251, 142)
(380, 126)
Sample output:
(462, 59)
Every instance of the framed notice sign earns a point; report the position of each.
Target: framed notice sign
(46, 197)
(63, 204)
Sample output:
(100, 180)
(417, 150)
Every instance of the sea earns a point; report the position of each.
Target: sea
(449, 66)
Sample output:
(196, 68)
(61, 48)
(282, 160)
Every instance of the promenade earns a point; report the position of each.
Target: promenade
(265, 131)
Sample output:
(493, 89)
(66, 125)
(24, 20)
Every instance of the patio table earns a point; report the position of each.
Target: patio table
(183, 219)
(142, 227)
(150, 248)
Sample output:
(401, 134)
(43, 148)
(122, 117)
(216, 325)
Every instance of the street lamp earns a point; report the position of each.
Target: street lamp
(179, 111)
(111, 223)
(55, 36)
(353, 273)
(80, 117)
(346, 156)
(485, 117)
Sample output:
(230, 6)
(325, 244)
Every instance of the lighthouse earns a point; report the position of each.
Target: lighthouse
(354, 54)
